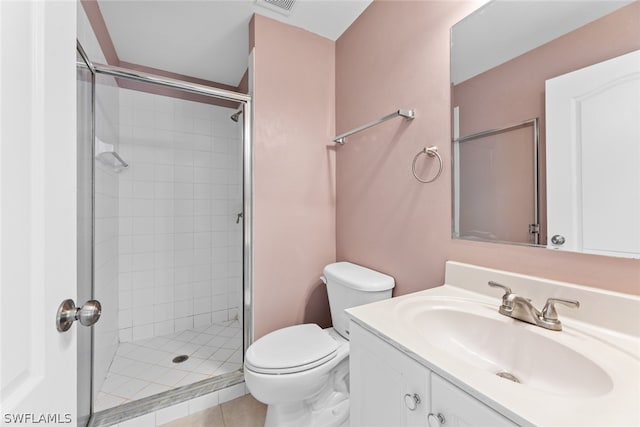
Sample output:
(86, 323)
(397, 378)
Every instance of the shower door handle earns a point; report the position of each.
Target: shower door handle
(68, 313)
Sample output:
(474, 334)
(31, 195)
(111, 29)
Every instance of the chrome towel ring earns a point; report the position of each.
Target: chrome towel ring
(431, 152)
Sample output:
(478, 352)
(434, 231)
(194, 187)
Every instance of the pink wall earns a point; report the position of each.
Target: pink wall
(294, 169)
(396, 55)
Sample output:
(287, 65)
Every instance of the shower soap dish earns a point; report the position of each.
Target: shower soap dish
(106, 153)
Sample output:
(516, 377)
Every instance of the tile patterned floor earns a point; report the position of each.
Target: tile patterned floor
(143, 368)
(244, 411)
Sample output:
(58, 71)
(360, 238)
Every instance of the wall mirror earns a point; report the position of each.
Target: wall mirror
(546, 125)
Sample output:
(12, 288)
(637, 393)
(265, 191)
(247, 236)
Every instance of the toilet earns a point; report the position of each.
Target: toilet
(302, 372)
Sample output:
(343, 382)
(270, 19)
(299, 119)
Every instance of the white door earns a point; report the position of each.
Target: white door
(593, 158)
(37, 211)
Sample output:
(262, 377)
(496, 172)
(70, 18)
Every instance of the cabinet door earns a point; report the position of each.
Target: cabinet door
(459, 409)
(375, 387)
(381, 377)
(415, 383)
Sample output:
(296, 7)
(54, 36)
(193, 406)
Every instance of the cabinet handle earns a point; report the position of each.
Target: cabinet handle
(412, 401)
(438, 418)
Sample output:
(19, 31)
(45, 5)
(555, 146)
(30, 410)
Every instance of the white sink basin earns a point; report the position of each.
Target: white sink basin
(479, 336)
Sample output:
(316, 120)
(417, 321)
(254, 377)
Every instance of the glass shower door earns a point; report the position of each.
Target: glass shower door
(168, 245)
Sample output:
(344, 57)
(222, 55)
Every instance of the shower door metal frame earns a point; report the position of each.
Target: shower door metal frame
(142, 406)
(87, 62)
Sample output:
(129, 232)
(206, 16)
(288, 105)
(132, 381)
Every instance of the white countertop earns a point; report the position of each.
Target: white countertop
(606, 339)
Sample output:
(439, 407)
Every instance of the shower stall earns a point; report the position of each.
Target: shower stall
(164, 212)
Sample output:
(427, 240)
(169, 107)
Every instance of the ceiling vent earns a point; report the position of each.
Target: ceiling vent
(283, 7)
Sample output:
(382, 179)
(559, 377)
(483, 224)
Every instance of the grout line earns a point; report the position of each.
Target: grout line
(196, 332)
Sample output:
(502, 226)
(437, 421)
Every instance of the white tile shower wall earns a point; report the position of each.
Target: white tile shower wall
(107, 116)
(180, 262)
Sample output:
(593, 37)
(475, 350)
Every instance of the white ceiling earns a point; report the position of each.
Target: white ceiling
(502, 30)
(209, 39)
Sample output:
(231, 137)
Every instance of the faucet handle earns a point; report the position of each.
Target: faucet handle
(549, 312)
(507, 290)
(507, 293)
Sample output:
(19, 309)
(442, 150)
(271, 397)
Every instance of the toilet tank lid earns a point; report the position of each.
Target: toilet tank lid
(358, 277)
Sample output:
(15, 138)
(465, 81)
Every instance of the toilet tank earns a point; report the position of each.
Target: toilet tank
(350, 285)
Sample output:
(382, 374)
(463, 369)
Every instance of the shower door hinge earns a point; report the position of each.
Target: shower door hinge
(534, 233)
(534, 228)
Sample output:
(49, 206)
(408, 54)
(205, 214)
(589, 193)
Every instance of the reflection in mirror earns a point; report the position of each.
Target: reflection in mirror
(544, 152)
(497, 172)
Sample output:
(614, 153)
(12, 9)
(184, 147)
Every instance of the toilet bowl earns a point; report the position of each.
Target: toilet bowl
(302, 372)
(293, 392)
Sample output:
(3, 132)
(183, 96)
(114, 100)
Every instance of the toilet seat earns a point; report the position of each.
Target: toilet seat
(290, 350)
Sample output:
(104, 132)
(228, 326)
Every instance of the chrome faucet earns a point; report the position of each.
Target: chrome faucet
(521, 308)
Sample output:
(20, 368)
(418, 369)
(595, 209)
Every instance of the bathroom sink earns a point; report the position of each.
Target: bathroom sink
(476, 334)
(585, 374)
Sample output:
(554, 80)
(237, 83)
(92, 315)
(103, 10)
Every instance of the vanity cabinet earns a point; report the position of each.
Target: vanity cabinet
(388, 388)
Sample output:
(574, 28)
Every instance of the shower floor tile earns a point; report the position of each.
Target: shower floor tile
(143, 368)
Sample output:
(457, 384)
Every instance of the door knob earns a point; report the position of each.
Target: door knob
(558, 240)
(68, 313)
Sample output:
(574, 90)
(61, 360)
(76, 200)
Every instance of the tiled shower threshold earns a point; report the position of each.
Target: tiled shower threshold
(134, 409)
